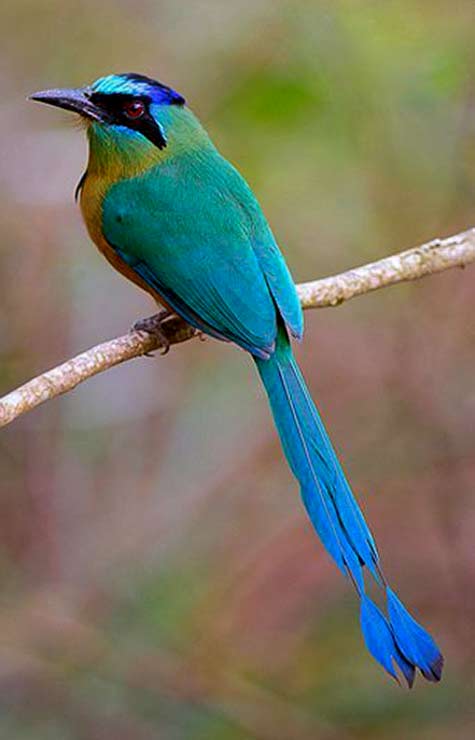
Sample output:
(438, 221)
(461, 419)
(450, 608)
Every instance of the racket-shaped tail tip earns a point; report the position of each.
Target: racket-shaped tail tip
(413, 641)
(435, 672)
(379, 639)
(377, 635)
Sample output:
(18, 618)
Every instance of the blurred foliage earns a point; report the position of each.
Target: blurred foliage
(159, 578)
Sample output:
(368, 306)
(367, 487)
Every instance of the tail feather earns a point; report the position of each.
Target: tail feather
(395, 642)
(350, 518)
(381, 643)
(413, 641)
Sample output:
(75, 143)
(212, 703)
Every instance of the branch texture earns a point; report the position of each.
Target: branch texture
(427, 259)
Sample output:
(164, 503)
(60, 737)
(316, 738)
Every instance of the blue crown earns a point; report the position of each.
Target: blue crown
(136, 84)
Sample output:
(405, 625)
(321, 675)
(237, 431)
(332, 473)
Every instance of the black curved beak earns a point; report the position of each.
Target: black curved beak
(77, 100)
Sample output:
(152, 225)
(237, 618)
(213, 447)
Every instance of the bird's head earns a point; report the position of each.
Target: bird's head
(129, 114)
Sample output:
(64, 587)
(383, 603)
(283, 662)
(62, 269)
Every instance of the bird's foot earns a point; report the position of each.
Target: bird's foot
(154, 325)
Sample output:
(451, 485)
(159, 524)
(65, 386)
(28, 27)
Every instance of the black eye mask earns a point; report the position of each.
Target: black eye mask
(112, 106)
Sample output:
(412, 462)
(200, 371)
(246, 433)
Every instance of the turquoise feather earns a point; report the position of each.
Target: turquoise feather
(192, 228)
(229, 282)
(398, 641)
(173, 215)
(205, 252)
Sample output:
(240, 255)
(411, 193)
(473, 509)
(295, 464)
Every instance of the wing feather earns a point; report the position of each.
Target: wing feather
(193, 231)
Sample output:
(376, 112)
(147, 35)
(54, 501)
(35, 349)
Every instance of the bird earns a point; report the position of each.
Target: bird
(175, 217)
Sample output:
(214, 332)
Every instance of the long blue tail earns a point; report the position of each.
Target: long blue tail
(395, 640)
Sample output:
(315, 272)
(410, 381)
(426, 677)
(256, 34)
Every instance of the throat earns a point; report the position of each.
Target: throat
(116, 153)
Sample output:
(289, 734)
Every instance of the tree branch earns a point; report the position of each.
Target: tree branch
(427, 259)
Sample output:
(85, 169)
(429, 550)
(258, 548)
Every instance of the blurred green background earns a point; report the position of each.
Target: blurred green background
(159, 578)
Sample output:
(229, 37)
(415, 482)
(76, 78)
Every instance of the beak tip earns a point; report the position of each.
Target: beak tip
(37, 96)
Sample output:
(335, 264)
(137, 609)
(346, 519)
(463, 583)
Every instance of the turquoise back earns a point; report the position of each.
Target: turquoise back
(192, 229)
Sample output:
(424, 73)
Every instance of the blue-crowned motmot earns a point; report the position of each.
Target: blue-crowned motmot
(176, 218)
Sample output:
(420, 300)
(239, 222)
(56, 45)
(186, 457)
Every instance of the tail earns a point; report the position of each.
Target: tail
(395, 640)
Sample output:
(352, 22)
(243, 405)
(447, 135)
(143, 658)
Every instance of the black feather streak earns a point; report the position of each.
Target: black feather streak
(79, 186)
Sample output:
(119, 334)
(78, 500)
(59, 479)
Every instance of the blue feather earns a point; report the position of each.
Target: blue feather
(347, 510)
(408, 670)
(182, 217)
(416, 645)
(377, 635)
(380, 641)
(325, 492)
(395, 643)
(137, 84)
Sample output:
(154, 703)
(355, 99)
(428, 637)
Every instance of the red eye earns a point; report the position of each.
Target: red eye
(134, 109)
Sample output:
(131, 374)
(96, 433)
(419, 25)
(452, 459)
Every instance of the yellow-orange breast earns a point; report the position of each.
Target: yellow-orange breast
(92, 197)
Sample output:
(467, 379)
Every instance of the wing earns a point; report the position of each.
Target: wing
(193, 231)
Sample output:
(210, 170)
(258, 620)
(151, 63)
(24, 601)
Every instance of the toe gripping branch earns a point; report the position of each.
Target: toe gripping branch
(167, 328)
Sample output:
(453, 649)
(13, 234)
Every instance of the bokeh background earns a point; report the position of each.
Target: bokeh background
(159, 578)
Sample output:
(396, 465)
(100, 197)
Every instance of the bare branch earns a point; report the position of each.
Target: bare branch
(427, 259)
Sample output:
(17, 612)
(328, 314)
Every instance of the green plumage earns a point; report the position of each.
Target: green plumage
(173, 215)
(192, 228)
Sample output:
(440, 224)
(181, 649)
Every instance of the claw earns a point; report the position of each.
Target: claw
(153, 325)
